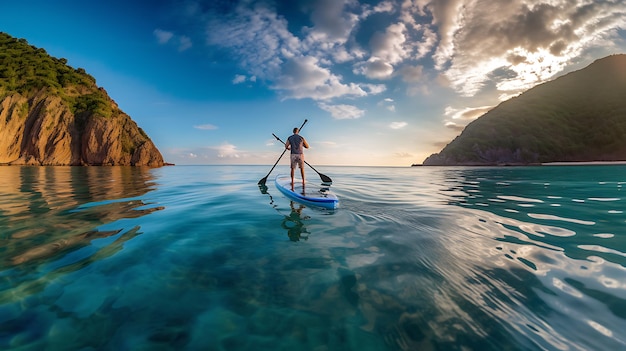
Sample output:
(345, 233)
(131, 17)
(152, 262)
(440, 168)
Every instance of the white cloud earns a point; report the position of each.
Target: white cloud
(163, 36)
(340, 54)
(374, 68)
(454, 126)
(205, 127)
(426, 45)
(184, 43)
(389, 46)
(342, 111)
(225, 153)
(411, 74)
(532, 42)
(467, 113)
(258, 37)
(398, 125)
(266, 48)
(388, 104)
(226, 150)
(373, 89)
(525, 43)
(385, 6)
(239, 79)
(332, 20)
(303, 77)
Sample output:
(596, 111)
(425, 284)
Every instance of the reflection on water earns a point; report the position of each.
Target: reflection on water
(294, 222)
(42, 219)
(415, 259)
(549, 205)
(520, 258)
(538, 274)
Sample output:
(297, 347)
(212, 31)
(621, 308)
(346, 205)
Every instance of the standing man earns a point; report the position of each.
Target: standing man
(296, 144)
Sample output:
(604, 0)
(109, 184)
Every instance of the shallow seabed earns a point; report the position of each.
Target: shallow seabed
(199, 258)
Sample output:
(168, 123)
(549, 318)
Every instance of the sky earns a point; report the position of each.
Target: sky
(381, 83)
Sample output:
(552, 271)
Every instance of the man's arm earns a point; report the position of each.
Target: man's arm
(288, 144)
(306, 145)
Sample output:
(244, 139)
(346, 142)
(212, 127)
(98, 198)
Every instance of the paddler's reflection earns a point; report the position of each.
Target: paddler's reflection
(294, 225)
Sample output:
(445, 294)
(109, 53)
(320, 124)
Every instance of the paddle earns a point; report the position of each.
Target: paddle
(323, 177)
(264, 179)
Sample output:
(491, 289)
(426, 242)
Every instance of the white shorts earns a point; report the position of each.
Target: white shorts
(297, 159)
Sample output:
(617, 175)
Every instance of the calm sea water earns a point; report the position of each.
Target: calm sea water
(198, 258)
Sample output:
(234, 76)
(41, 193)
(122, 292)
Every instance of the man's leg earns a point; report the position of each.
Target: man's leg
(302, 173)
(293, 166)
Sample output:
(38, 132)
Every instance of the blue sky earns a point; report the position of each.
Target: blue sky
(383, 83)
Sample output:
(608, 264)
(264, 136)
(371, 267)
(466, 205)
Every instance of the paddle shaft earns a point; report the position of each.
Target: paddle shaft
(324, 177)
(264, 179)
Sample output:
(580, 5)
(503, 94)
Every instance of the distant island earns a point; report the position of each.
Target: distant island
(53, 114)
(579, 117)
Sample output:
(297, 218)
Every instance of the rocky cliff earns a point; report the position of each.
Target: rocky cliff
(51, 114)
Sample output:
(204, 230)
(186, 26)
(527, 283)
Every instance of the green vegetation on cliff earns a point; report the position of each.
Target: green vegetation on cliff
(53, 114)
(26, 69)
(578, 117)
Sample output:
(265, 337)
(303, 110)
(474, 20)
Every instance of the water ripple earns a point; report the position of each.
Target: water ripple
(558, 218)
(415, 258)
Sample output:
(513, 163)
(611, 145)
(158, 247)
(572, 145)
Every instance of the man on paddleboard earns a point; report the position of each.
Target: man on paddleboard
(296, 143)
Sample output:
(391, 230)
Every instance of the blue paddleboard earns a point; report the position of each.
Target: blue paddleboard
(313, 194)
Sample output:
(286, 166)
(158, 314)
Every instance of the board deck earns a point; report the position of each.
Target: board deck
(314, 194)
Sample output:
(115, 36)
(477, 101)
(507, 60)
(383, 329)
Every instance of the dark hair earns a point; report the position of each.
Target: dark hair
(295, 130)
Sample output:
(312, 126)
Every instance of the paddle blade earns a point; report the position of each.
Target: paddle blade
(325, 178)
(262, 181)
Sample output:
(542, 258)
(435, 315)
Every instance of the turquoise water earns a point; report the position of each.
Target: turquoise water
(198, 258)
